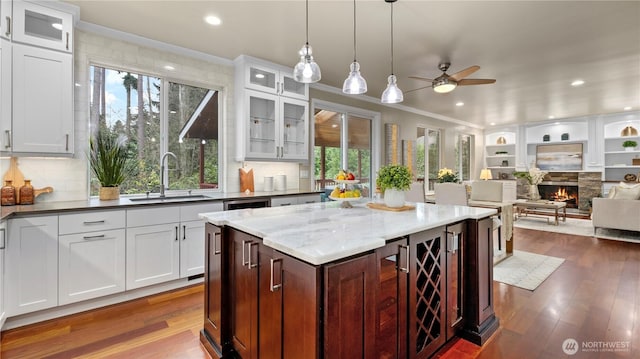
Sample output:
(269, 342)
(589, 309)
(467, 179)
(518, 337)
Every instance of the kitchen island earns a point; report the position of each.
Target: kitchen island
(320, 281)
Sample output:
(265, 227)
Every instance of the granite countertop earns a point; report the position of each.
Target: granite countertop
(320, 233)
(124, 202)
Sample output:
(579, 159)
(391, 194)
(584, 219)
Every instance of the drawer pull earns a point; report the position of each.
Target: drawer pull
(93, 222)
(406, 269)
(271, 285)
(8, 133)
(177, 232)
(99, 236)
(244, 260)
(184, 232)
(251, 265)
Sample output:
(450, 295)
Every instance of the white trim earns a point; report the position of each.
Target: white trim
(335, 90)
(158, 45)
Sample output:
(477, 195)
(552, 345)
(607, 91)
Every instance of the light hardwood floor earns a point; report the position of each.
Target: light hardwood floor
(593, 297)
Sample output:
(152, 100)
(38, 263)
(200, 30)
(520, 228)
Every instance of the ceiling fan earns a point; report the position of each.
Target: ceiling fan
(447, 83)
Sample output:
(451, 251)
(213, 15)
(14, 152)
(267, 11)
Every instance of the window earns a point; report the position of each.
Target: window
(428, 156)
(343, 139)
(156, 116)
(463, 157)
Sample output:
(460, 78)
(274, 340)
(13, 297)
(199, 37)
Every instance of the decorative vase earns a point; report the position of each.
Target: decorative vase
(26, 193)
(629, 149)
(534, 195)
(393, 198)
(8, 194)
(109, 193)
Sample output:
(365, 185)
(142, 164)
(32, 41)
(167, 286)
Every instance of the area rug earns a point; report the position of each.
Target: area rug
(525, 270)
(578, 227)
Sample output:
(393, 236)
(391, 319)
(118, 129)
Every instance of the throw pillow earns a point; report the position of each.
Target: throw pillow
(627, 193)
(629, 184)
(612, 192)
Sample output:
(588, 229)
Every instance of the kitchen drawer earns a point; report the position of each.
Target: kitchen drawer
(91, 221)
(152, 215)
(309, 198)
(189, 212)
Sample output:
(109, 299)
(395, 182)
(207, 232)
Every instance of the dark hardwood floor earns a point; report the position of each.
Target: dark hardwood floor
(594, 297)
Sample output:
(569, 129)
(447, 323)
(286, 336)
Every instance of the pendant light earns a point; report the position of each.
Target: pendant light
(355, 84)
(392, 94)
(307, 70)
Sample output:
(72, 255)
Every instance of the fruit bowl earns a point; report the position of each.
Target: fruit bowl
(345, 199)
(347, 181)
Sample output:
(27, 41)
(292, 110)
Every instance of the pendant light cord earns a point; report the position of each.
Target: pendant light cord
(354, 30)
(307, 17)
(392, 38)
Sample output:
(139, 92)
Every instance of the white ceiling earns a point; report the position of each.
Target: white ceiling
(534, 49)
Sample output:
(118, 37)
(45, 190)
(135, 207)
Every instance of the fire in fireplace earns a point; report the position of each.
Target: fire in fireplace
(560, 193)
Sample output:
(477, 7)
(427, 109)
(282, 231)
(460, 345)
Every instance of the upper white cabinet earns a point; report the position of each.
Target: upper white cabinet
(32, 264)
(273, 113)
(36, 80)
(5, 17)
(38, 25)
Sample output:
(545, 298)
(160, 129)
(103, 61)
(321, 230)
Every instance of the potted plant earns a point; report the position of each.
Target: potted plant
(447, 175)
(109, 161)
(393, 181)
(629, 145)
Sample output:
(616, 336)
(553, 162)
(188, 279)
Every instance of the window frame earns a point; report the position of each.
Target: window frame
(165, 79)
(427, 159)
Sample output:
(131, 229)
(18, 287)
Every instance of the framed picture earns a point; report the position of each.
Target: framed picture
(563, 157)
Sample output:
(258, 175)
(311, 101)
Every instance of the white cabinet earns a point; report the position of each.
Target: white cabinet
(165, 243)
(279, 82)
(273, 113)
(5, 17)
(42, 103)
(5, 95)
(38, 25)
(3, 242)
(32, 264)
(91, 249)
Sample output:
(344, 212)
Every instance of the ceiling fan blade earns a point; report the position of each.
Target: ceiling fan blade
(475, 82)
(420, 78)
(419, 88)
(464, 73)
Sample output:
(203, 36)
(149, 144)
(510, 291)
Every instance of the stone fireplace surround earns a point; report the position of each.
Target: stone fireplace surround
(589, 185)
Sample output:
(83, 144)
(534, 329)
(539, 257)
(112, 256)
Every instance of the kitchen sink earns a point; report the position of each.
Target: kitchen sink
(168, 198)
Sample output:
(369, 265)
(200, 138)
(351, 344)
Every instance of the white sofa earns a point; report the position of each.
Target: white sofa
(616, 213)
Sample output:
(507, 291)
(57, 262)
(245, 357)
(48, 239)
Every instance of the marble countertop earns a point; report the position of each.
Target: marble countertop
(124, 202)
(320, 233)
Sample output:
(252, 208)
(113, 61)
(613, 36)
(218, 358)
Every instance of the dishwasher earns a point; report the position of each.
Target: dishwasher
(246, 203)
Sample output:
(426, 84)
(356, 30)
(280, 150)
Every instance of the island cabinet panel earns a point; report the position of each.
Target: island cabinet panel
(391, 301)
(456, 241)
(216, 325)
(274, 301)
(350, 308)
(427, 292)
(480, 320)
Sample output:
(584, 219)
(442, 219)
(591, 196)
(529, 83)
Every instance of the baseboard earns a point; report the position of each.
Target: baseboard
(60, 311)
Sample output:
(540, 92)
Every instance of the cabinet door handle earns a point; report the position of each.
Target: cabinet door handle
(452, 241)
(2, 238)
(67, 46)
(244, 260)
(66, 146)
(216, 237)
(184, 232)
(251, 265)
(8, 133)
(176, 233)
(93, 222)
(405, 269)
(271, 280)
(8, 32)
(99, 236)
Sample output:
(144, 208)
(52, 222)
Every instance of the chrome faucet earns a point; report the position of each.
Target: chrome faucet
(162, 163)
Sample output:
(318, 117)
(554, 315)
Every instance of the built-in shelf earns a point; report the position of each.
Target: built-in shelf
(502, 156)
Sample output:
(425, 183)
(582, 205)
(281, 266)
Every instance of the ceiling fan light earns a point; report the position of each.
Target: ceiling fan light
(307, 70)
(392, 94)
(443, 85)
(355, 84)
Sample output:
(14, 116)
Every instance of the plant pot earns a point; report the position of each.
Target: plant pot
(109, 193)
(393, 198)
(629, 149)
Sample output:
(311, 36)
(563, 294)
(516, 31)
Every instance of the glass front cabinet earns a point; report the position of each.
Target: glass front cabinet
(41, 26)
(273, 116)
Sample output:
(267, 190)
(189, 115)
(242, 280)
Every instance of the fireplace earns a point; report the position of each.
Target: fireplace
(560, 192)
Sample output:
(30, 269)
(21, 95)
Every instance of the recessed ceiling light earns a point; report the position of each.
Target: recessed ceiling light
(577, 83)
(459, 103)
(213, 20)
(169, 67)
(557, 123)
(259, 76)
(492, 123)
(551, 117)
(627, 108)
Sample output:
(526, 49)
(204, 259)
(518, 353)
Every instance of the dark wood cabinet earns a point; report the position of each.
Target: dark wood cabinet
(275, 309)
(456, 242)
(214, 334)
(350, 308)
